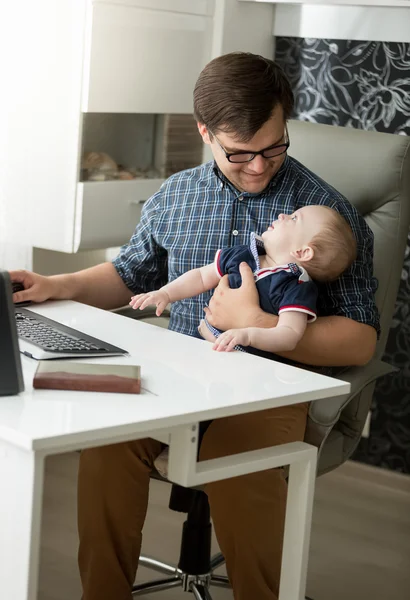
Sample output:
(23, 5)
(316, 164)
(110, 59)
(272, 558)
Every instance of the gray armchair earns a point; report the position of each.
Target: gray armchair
(373, 171)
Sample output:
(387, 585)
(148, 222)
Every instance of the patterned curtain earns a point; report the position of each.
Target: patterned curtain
(365, 85)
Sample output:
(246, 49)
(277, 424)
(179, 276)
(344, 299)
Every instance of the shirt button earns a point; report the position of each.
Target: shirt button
(235, 232)
(240, 198)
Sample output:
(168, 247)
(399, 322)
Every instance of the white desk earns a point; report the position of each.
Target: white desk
(183, 382)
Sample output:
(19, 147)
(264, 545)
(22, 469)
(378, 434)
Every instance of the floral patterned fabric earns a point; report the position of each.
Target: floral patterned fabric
(365, 85)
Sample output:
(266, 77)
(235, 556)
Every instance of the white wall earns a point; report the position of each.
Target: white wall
(343, 22)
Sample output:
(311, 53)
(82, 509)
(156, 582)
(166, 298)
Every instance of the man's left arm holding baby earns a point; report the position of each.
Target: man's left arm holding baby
(297, 308)
(345, 334)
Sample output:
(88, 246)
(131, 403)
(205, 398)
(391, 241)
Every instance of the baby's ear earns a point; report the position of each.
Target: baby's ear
(304, 254)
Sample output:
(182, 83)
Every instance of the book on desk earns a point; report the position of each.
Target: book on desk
(87, 377)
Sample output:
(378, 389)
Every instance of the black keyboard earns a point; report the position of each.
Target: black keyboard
(43, 338)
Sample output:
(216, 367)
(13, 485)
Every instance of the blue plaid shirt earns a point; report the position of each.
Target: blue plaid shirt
(198, 211)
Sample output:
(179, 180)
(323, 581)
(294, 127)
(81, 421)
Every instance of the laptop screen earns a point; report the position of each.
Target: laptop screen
(11, 377)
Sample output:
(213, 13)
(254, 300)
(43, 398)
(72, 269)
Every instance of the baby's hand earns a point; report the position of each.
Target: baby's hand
(227, 341)
(159, 299)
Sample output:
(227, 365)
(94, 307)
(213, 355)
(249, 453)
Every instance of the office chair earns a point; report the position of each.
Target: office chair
(373, 171)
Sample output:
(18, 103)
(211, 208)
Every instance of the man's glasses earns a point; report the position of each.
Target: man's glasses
(243, 157)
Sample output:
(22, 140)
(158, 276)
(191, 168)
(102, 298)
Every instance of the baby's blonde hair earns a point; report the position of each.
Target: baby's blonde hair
(334, 249)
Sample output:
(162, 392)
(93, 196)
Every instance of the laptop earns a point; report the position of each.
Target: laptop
(11, 376)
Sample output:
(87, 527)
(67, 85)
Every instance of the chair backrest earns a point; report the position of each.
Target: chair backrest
(372, 170)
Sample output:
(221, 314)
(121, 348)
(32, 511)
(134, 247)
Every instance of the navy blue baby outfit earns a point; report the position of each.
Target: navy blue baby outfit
(281, 288)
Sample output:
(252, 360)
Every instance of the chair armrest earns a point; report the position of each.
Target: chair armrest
(326, 412)
(360, 377)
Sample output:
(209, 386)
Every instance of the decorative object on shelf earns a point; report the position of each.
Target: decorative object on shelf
(125, 175)
(139, 146)
(364, 85)
(99, 166)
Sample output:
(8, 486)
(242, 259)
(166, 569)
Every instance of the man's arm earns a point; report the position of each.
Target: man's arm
(329, 341)
(139, 266)
(99, 286)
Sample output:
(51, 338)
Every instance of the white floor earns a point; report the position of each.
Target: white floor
(360, 540)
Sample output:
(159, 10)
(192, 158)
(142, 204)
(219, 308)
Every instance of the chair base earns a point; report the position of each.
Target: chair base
(198, 585)
(195, 570)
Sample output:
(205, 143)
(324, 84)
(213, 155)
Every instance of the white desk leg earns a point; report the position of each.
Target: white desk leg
(21, 477)
(184, 469)
(301, 487)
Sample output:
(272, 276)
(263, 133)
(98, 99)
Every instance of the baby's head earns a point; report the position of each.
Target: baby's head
(316, 237)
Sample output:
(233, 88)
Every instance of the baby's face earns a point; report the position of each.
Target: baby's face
(293, 232)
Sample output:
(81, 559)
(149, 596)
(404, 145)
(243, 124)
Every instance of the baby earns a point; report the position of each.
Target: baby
(314, 243)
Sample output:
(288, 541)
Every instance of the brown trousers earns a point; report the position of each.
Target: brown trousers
(248, 512)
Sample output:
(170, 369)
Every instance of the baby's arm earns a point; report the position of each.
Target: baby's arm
(282, 338)
(190, 284)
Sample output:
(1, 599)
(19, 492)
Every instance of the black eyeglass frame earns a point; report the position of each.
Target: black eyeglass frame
(252, 155)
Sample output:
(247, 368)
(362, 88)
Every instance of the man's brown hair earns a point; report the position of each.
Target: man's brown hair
(237, 93)
(334, 249)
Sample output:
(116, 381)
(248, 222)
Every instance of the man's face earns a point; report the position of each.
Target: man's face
(253, 176)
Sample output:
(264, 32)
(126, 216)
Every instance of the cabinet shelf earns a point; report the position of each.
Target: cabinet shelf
(108, 211)
(119, 146)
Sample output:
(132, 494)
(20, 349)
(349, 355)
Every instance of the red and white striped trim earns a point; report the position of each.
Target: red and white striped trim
(297, 308)
(261, 273)
(217, 263)
(303, 277)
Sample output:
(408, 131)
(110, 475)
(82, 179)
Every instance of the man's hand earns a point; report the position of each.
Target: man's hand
(227, 341)
(159, 298)
(37, 288)
(235, 308)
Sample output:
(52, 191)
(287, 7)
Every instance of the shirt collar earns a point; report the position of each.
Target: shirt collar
(257, 248)
(224, 181)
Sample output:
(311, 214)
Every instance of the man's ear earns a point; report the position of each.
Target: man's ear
(303, 255)
(203, 132)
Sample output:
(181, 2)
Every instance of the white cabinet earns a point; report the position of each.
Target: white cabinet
(131, 64)
(143, 60)
(72, 58)
(140, 58)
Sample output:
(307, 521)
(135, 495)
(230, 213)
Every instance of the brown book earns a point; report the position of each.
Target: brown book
(88, 377)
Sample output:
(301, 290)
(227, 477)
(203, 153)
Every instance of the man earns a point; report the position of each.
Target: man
(241, 104)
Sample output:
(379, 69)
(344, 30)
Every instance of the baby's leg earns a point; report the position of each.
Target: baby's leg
(205, 332)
